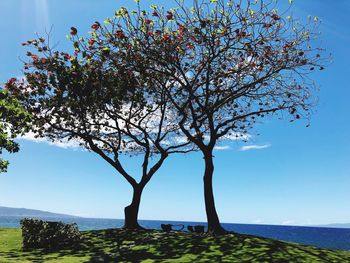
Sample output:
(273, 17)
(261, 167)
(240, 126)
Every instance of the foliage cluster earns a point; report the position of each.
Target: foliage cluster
(39, 234)
(14, 121)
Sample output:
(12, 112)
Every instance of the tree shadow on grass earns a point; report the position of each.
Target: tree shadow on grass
(118, 245)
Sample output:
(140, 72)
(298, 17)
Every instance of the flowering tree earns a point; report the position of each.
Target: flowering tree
(210, 71)
(108, 110)
(223, 66)
(14, 121)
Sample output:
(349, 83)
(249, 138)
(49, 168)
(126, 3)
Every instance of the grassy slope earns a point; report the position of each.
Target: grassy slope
(156, 246)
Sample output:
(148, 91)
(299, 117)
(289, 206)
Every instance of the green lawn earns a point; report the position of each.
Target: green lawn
(155, 246)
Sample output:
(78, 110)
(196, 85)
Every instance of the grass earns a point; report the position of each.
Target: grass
(155, 246)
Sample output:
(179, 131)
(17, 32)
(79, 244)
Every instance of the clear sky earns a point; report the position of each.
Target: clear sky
(298, 176)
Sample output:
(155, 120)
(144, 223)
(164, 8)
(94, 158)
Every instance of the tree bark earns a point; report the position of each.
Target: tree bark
(214, 226)
(131, 211)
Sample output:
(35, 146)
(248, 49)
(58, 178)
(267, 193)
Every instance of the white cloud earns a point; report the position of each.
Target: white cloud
(254, 147)
(223, 147)
(73, 144)
(62, 144)
(257, 221)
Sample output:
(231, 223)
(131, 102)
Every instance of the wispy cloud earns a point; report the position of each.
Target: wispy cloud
(221, 148)
(254, 147)
(62, 144)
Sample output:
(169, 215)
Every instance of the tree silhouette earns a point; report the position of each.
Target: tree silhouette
(110, 111)
(14, 121)
(217, 68)
(227, 65)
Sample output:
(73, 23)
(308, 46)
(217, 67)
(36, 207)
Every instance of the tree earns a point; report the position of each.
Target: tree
(226, 64)
(14, 121)
(110, 111)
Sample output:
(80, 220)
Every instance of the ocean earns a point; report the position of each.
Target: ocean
(332, 238)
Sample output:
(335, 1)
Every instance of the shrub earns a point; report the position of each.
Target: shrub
(38, 234)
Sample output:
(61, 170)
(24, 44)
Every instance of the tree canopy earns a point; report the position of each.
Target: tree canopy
(205, 73)
(225, 65)
(14, 121)
(108, 110)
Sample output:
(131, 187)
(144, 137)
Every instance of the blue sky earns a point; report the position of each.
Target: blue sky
(301, 178)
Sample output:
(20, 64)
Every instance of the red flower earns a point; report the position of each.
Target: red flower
(166, 37)
(190, 46)
(147, 22)
(154, 13)
(66, 56)
(73, 31)
(43, 60)
(242, 34)
(150, 33)
(169, 16)
(95, 26)
(91, 41)
(35, 57)
(119, 34)
(275, 17)
(11, 81)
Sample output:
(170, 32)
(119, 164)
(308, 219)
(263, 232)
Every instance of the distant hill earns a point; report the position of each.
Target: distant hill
(345, 225)
(23, 212)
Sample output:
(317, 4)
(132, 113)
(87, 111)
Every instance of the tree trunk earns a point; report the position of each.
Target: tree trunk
(131, 211)
(214, 226)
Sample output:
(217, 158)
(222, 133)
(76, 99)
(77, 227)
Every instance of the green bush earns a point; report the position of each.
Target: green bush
(38, 234)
